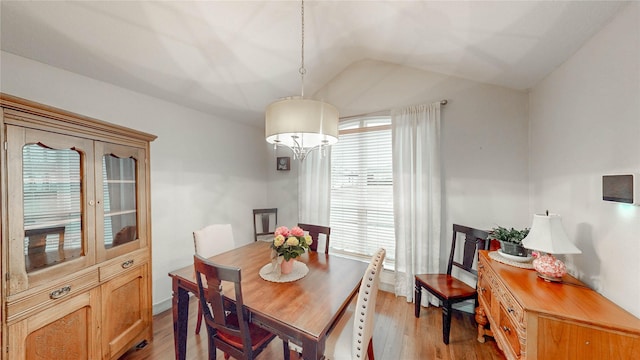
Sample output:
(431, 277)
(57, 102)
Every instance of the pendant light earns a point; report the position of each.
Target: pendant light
(302, 125)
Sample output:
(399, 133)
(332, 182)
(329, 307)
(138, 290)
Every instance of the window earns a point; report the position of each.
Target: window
(361, 214)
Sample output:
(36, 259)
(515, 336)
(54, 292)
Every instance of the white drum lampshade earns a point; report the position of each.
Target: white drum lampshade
(301, 124)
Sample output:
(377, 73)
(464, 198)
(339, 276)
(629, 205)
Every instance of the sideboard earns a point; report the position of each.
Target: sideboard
(530, 318)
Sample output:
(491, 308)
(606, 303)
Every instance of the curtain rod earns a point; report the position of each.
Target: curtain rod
(381, 112)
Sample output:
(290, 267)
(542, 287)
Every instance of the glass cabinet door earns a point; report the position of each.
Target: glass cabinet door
(119, 217)
(49, 190)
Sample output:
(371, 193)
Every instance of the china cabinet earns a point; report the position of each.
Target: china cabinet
(76, 241)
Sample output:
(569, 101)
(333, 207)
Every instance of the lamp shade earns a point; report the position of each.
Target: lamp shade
(547, 235)
(301, 123)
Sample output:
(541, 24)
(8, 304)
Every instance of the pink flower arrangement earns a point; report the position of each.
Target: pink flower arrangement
(290, 243)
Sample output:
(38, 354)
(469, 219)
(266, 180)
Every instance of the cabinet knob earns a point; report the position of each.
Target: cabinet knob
(506, 329)
(63, 291)
(127, 264)
(483, 289)
(510, 309)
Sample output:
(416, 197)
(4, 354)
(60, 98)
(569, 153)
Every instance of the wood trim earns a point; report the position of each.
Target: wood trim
(70, 120)
(3, 235)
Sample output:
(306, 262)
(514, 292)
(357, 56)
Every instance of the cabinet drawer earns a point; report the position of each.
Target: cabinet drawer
(118, 266)
(51, 295)
(509, 330)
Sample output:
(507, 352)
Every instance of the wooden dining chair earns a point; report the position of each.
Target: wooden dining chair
(37, 239)
(262, 225)
(447, 288)
(208, 241)
(315, 231)
(228, 328)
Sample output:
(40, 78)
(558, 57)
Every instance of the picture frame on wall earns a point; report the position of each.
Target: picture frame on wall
(283, 163)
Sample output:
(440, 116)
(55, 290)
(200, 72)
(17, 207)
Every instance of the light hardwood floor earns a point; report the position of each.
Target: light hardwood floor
(398, 336)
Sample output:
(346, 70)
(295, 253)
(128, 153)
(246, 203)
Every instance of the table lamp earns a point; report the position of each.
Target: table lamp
(547, 236)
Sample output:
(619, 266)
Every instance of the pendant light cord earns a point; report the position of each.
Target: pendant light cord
(302, 70)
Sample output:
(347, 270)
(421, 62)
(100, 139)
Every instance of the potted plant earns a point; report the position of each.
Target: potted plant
(510, 240)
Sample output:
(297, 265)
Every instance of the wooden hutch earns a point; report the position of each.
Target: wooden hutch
(76, 235)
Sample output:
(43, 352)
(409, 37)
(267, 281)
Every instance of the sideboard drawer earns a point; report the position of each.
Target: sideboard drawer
(509, 330)
(484, 287)
(512, 307)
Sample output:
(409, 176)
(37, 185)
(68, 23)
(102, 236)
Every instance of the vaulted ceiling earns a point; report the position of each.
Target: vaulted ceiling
(232, 58)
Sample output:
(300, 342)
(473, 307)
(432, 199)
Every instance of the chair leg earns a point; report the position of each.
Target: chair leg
(199, 323)
(418, 298)
(446, 321)
(212, 348)
(370, 350)
(285, 348)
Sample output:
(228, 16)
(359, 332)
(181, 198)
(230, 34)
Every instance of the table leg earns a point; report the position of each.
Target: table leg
(312, 350)
(180, 306)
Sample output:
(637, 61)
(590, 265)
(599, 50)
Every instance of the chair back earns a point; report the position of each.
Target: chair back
(366, 307)
(315, 231)
(213, 239)
(262, 224)
(215, 313)
(473, 241)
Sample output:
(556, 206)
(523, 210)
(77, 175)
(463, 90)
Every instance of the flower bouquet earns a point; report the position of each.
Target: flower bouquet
(288, 245)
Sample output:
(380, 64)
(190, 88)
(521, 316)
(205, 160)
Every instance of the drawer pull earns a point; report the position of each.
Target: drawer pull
(510, 310)
(506, 329)
(483, 289)
(127, 264)
(63, 291)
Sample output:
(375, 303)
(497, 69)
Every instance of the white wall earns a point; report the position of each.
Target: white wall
(585, 123)
(203, 169)
(484, 138)
(283, 187)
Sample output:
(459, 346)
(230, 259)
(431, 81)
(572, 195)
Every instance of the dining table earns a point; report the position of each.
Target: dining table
(303, 311)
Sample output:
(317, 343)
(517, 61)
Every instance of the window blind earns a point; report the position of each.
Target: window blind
(361, 215)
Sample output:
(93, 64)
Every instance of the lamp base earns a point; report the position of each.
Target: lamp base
(549, 278)
(549, 268)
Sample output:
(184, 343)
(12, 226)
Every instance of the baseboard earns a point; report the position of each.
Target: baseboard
(162, 306)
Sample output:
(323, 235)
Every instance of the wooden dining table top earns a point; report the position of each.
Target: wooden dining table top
(310, 305)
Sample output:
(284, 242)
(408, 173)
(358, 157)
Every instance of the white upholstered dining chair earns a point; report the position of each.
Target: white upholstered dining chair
(212, 240)
(352, 337)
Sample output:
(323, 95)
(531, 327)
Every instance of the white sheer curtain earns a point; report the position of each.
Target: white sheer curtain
(416, 195)
(314, 188)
